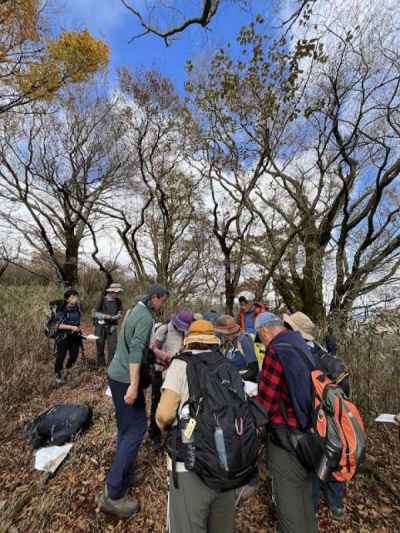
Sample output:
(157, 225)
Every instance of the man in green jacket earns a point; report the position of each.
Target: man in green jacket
(128, 397)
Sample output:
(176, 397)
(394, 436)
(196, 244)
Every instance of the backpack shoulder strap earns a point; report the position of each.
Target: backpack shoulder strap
(195, 367)
(183, 356)
(123, 328)
(306, 359)
(164, 329)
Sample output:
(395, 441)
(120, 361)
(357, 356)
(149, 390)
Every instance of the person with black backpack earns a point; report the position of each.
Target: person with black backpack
(336, 371)
(68, 337)
(106, 316)
(284, 390)
(129, 374)
(212, 440)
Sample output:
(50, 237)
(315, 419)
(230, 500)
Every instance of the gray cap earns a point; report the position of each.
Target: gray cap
(266, 319)
(157, 290)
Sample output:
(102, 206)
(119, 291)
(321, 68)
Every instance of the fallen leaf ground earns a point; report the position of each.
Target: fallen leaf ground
(66, 503)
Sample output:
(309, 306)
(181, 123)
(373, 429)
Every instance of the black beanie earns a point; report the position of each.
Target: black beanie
(70, 292)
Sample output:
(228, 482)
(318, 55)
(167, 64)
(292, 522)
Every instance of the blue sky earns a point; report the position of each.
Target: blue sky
(111, 21)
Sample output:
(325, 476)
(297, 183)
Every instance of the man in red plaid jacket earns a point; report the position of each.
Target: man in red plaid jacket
(291, 482)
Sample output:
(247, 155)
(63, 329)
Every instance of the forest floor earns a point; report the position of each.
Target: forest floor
(66, 502)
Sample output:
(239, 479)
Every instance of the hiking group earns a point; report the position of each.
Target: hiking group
(201, 370)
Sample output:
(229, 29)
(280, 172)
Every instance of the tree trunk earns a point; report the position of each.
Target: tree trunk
(70, 267)
(288, 293)
(229, 299)
(230, 288)
(304, 293)
(261, 287)
(3, 268)
(340, 313)
(312, 290)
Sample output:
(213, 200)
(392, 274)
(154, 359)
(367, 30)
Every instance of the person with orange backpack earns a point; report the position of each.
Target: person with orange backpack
(314, 428)
(282, 367)
(335, 369)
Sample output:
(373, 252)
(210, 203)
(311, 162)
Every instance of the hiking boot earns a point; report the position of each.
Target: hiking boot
(337, 513)
(122, 508)
(136, 477)
(60, 379)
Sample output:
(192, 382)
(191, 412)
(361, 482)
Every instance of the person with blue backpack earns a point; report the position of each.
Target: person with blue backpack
(68, 339)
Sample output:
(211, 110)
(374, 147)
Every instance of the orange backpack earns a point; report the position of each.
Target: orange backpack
(338, 424)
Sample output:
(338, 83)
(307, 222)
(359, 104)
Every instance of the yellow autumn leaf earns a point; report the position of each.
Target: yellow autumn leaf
(73, 57)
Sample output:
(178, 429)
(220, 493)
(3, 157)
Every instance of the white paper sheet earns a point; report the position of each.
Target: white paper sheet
(48, 459)
(250, 388)
(91, 337)
(385, 418)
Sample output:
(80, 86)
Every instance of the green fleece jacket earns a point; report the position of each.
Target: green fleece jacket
(136, 330)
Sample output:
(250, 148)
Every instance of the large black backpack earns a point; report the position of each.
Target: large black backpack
(217, 402)
(59, 424)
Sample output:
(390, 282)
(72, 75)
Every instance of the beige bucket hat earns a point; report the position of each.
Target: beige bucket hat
(301, 323)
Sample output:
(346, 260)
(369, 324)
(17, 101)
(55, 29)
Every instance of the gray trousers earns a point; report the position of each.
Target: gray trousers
(195, 508)
(292, 491)
(107, 335)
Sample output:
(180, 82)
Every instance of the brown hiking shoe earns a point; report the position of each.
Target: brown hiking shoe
(123, 508)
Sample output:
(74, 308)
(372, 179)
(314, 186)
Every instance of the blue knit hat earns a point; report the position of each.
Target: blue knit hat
(266, 319)
(211, 316)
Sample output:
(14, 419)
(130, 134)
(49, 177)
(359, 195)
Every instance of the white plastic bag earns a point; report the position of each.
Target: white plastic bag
(48, 459)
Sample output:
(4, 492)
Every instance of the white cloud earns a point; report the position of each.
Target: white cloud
(103, 15)
(345, 15)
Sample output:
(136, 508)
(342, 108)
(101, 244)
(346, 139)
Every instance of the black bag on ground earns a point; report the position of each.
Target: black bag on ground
(59, 424)
(224, 447)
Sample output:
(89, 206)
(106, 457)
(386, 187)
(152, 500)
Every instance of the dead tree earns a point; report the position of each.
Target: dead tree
(203, 17)
(338, 183)
(237, 103)
(157, 225)
(54, 169)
